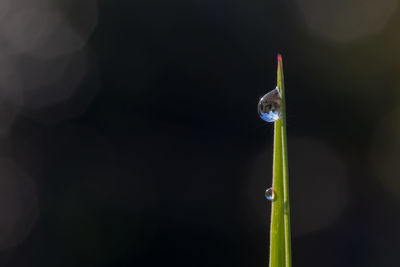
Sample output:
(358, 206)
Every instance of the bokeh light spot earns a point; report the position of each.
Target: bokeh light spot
(346, 20)
(18, 204)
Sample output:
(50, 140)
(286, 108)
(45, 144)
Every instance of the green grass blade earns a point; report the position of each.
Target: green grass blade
(280, 240)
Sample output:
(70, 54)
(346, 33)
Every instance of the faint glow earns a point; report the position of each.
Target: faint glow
(38, 83)
(346, 20)
(43, 55)
(385, 153)
(18, 204)
(44, 28)
(317, 181)
(8, 113)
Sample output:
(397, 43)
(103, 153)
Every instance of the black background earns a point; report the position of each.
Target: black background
(168, 163)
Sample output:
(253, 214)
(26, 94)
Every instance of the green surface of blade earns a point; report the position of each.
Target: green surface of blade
(280, 244)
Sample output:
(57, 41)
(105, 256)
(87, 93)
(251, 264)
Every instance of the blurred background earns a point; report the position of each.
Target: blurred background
(129, 134)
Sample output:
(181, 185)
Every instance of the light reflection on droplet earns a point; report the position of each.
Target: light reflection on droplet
(270, 194)
(269, 106)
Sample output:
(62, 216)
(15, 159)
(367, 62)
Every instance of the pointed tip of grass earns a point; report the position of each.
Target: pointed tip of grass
(279, 61)
(279, 71)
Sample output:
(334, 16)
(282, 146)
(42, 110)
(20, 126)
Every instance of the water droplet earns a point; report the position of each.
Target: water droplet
(269, 106)
(270, 194)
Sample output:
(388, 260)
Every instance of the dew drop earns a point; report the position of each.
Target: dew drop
(269, 194)
(269, 106)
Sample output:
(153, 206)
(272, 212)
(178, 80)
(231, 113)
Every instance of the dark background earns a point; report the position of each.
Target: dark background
(130, 137)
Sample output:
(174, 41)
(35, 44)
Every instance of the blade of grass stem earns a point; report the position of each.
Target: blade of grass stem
(280, 240)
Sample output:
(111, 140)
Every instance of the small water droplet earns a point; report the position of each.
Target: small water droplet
(270, 194)
(269, 106)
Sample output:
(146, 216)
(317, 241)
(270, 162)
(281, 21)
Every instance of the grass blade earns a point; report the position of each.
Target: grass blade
(280, 240)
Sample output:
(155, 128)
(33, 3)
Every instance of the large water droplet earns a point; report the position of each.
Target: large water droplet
(269, 106)
(270, 194)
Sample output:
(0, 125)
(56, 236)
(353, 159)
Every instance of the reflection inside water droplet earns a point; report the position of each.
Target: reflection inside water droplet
(269, 194)
(269, 106)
